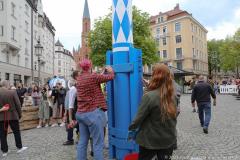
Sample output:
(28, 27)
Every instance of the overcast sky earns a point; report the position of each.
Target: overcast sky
(220, 17)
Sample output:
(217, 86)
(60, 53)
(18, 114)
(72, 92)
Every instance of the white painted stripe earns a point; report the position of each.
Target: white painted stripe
(118, 49)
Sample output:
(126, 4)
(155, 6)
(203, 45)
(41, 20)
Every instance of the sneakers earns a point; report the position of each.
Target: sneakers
(54, 125)
(39, 127)
(205, 130)
(22, 149)
(46, 125)
(67, 143)
(62, 124)
(5, 154)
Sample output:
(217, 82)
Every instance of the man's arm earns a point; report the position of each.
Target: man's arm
(17, 104)
(102, 78)
(213, 95)
(72, 96)
(193, 97)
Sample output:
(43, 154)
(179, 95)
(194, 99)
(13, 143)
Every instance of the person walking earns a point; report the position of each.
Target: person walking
(14, 113)
(90, 112)
(201, 93)
(154, 126)
(61, 102)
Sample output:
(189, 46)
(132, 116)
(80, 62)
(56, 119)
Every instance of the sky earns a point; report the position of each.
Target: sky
(220, 17)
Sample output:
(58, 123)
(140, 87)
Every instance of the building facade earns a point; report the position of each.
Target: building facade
(181, 40)
(22, 24)
(64, 63)
(84, 51)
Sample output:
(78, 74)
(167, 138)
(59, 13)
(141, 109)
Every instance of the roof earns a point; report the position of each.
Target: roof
(86, 10)
(58, 43)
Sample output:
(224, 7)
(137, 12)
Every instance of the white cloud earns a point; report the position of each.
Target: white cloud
(225, 28)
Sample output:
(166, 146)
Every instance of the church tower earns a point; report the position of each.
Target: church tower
(84, 51)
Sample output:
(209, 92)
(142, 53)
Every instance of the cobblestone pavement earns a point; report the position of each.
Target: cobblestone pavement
(222, 142)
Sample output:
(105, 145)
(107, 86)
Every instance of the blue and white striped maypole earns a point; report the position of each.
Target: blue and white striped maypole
(125, 92)
(122, 25)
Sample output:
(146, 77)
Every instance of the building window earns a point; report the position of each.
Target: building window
(59, 70)
(18, 60)
(193, 53)
(177, 27)
(26, 26)
(7, 57)
(7, 76)
(192, 27)
(178, 39)
(179, 53)
(1, 6)
(1, 31)
(179, 65)
(59, 55)
(192, 39)
(13, 9)
(26, 62)
(157, 41)
(26, 46)
(26, 10)
(13, 30)
(160, 19)
(59, 63)
(159, 54)
(164, 53)
(158, 31)
(164, 41)
(164, 29)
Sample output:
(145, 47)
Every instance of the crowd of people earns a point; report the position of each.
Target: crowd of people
(82, 106)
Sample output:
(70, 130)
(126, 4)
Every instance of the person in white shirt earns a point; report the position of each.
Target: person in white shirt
(72, 95)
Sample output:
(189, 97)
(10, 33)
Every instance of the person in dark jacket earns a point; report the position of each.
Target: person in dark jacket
(21, 91)
(155, 122)
(201, 93)
(14, 113)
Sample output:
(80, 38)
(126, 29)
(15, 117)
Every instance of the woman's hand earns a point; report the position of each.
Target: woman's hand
(5, 108)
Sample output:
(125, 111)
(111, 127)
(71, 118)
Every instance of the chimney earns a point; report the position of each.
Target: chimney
(176, 7)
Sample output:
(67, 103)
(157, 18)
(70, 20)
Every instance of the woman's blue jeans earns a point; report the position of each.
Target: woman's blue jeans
(91, 124)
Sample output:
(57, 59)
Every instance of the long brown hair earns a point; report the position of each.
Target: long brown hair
(163, 79)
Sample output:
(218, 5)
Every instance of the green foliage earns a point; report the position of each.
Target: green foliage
(100, 38)
(228, 53)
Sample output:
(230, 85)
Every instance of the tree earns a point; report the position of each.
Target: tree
(100, 38)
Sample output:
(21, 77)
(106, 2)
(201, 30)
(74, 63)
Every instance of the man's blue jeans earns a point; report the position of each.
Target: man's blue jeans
(91, 125)
(204, 113)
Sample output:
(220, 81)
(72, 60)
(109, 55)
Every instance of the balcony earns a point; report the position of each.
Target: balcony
(179, 58)
(195, 57)
(9, 48)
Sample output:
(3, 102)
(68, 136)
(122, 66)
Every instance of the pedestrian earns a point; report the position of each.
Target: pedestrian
(56, 111)
(154, 126)
(201, 93)
(70, 112)
(43, 113)
(90, 112)
(61, 101)
(13, 115)
(36, 95)
(21, 91)
(192, 84)
(50, 103)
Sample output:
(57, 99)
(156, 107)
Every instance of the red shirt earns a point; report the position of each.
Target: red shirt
(89, 93)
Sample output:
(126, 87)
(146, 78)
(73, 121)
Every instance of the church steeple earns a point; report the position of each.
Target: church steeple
(86, 10)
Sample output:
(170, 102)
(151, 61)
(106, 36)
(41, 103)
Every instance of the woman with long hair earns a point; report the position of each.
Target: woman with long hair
(155, 122)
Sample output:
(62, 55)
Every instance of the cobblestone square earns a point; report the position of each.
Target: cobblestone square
(222, 142)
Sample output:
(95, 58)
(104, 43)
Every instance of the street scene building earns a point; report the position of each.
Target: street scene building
(84, 51)
(181, 40)
(64, 63)
(22, 24)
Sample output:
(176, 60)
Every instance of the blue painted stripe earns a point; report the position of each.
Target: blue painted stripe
(116, 45)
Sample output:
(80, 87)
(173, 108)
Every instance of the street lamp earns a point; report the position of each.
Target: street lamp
(38, 52)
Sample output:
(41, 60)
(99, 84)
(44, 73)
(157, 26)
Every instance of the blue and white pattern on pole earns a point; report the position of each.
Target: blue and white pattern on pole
(122, 24)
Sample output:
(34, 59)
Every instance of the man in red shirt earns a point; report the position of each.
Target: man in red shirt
(91, 106)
